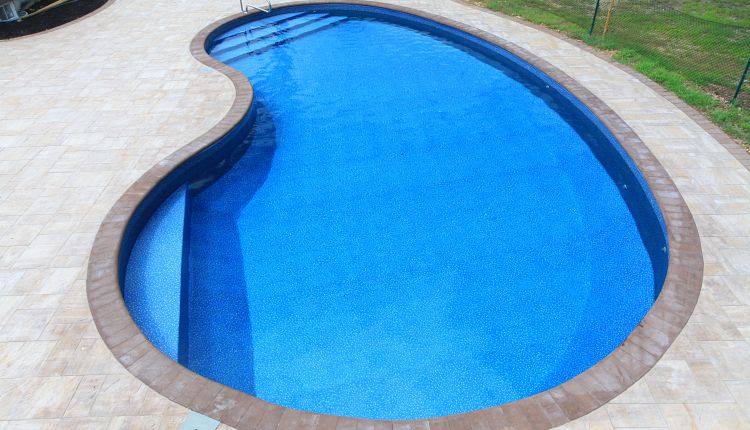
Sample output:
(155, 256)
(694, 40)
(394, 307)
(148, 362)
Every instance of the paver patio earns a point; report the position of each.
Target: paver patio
(86, 109)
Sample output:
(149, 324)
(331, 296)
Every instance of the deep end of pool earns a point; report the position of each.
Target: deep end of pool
(363, 245)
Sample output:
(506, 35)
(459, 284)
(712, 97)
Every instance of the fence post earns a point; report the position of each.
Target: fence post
(593, 20)
(609, 17)
(742, 80)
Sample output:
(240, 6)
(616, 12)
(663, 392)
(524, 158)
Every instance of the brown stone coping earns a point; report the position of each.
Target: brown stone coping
(572, 399)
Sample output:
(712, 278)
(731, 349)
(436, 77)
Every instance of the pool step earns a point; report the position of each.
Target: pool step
(278, 38)
(156, 279)
(264, 33)
(251, 27)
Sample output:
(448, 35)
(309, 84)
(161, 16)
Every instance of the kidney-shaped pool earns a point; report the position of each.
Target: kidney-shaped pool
(411, 222)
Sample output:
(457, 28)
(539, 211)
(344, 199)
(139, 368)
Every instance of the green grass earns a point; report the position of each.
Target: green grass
(733, 12)
(697, 48)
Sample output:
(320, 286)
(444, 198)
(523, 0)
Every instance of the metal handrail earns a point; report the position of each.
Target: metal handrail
(246, 8)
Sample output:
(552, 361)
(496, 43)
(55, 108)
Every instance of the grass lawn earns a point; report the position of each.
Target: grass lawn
(695, 48)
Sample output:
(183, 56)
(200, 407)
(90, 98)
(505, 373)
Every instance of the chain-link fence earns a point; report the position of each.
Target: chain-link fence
(706, 42)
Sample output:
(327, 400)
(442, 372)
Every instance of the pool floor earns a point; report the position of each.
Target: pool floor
(442, 226)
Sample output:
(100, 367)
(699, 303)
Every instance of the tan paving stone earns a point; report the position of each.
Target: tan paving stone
(91, 106)
(740, 317)
(741, 392)
(41, 301)
(25, 324)
(88, 423)
(23, 359)
(693, 381)
(704, 416)
(598, 420)
(21, 235)
(642, 428)
(151, 422)
(119, 395)
(8, 305)
(92, 357)
(635, 415)
(640, 392)
(34, 398)
(30, 425)
(727, 358)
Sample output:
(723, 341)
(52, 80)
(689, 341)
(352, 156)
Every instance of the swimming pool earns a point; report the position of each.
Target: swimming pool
(417, 224)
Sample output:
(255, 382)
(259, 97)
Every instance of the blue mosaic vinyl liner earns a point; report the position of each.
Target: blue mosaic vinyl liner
(421, 225)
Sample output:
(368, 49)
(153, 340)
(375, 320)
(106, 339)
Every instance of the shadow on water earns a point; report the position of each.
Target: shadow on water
(220, 344)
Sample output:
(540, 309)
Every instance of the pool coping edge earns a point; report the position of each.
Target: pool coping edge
(559, 405)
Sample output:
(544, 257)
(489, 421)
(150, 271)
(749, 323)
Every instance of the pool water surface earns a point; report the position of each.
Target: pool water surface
(420, 225)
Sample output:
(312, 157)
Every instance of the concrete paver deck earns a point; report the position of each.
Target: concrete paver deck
(86, 109)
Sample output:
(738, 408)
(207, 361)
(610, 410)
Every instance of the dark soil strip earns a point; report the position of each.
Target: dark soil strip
(49, 19)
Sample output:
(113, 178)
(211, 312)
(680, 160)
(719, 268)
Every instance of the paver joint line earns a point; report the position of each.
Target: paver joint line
(577, 396)
(80, 122)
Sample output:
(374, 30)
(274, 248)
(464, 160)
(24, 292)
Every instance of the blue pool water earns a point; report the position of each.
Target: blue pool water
(421, 225)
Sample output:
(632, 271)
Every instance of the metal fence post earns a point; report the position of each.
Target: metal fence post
(593, 20)
(742, 81)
